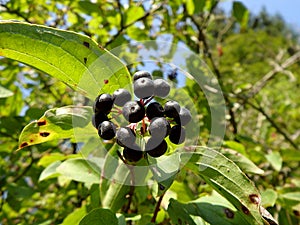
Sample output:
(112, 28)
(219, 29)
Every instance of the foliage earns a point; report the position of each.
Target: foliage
(56, 58)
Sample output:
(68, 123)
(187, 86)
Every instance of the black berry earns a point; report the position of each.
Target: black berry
(143, 87)
(172, 109)
(154, 109)
(133, 154)
(156, 147)
(133, 111)
(161, 88)
(125, 137)
(98, 118)
(121, 96)
(184, 117)
(103, 103)
(159, 128)
(140, 74)
(107, 130)
(177, 134)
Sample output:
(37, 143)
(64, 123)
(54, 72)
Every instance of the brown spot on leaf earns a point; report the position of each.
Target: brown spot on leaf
(254, 198)
(85, 60)
(31, 140)
(105, 81)
(296, 213)
(44, 134)
(101, 47)
(228, 212)
(86, 44)
(24, 144)
(41, 122)
(245, 210)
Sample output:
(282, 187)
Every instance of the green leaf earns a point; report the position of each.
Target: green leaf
(235, 146)
(75, 217)
(68, 56)
(274, 158)
(132, 14)
(241, 13)
(115, 196)
(227, 179)
(214, 209)
(50, 171)
(100, 217)
(56, 124)
(164, 170)
(194, 6)
(81, 170)
(242, 161)
(268, 198)
(5, 93)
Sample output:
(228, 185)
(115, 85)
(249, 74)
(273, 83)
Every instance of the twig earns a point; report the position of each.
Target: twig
(202, 38)
(125, 26)
(273, 123)
(16, 12)
(157, 208)
(271, 74)
(32, 161)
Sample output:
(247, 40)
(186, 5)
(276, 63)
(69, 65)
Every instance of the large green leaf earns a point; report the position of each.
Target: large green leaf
(81, 170)
(242, 161)
(226, 178)
(58, 123)
(213, 209)
(100, 217)
(71, 57)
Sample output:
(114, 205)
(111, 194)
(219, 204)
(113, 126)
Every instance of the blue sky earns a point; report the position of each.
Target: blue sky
(289, 9)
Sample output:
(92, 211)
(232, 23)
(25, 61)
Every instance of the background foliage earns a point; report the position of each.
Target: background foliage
(256, 60)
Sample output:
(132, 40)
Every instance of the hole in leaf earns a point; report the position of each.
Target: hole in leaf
(86, 44)
(85, 60)
(245, 210)
(41, 123)
(44, 134)
(254, 198)
(229, 214)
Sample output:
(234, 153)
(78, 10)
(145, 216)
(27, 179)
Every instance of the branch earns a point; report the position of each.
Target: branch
(125, 26)
(202, 38)
(270, 75)
(15, 12)
(157, 208)
(273, 123)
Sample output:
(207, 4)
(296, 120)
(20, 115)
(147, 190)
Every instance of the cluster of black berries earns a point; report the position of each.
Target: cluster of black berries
(155, 119)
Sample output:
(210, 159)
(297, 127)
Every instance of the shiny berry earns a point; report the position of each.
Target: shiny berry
(103, 103)
(121, 96)
(133, 154)
(143, 87)
(133, 111)
(159, 127)
(140, 74)
(156, 147)
(98, 118)
(107, 130)
(172, 109)
(125, 137)
(161, 88)
(177, 134)
(154, 109)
